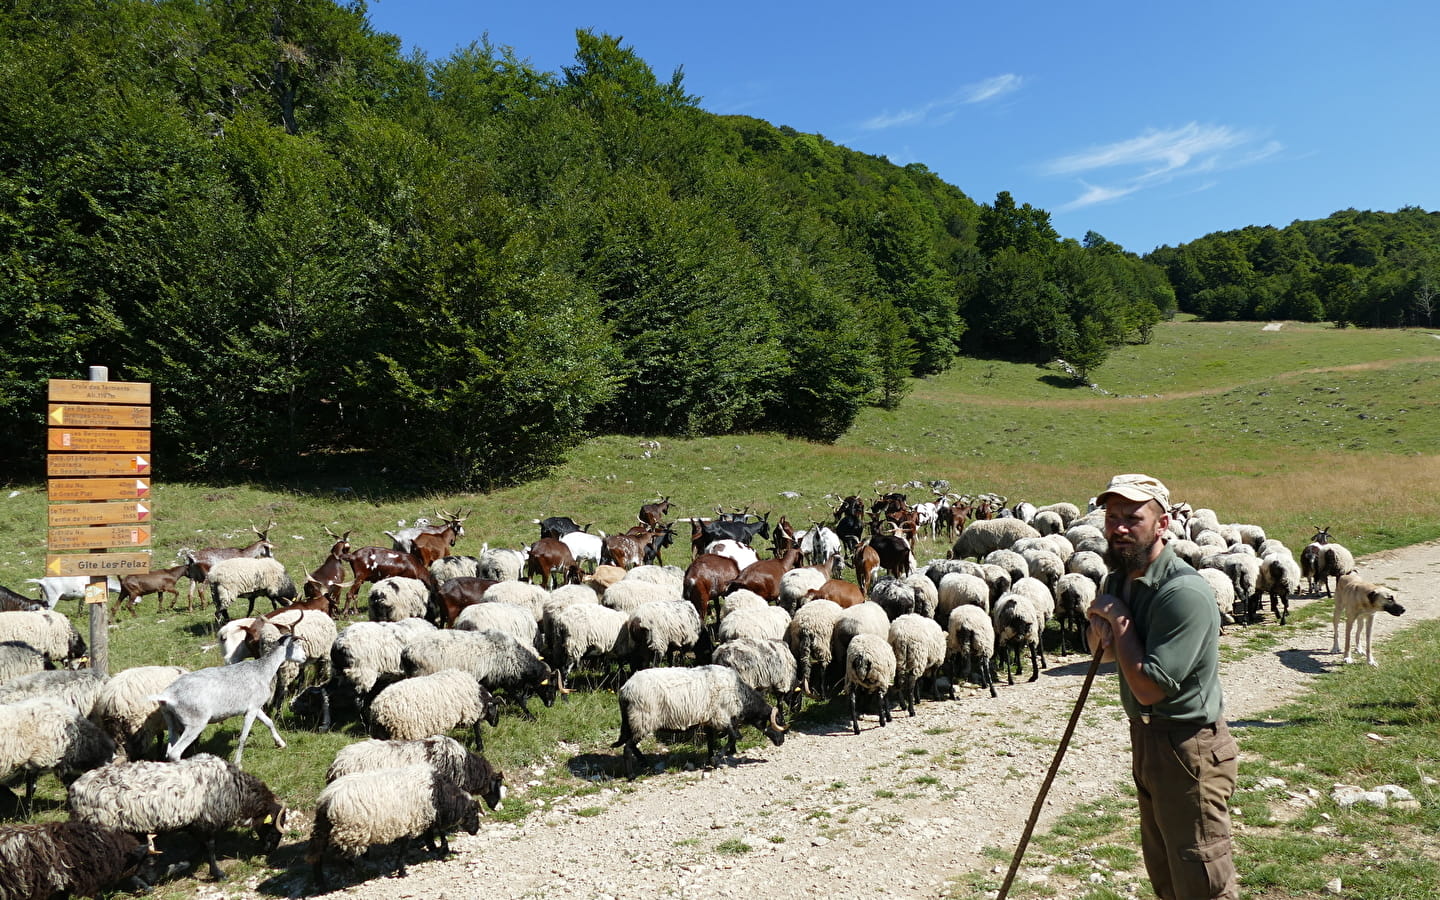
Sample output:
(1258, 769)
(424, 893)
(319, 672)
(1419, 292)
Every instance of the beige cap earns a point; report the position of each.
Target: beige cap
(1138, 488)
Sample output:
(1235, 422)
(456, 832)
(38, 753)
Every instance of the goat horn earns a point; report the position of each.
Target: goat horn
(775, 720)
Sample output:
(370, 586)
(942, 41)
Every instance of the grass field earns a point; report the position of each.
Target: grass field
(1289, 429)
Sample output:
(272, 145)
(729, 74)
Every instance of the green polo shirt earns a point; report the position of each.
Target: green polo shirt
(1174, 614)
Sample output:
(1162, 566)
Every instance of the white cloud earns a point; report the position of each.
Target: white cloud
(1159, 157)
(938, 112)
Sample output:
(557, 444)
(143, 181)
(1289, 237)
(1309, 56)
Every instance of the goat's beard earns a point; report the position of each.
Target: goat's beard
(1134, 558)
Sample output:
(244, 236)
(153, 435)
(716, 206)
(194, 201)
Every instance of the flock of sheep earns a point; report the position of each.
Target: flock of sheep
(411, 683)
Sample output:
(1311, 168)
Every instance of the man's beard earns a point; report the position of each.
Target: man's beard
(1134, 558)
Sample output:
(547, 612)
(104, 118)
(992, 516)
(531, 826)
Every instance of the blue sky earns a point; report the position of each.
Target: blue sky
(1150, 123)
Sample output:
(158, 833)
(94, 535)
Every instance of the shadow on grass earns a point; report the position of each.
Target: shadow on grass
(1065, 382)
(1305, 661)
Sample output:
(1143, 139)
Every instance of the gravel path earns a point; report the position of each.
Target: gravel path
(890, 812)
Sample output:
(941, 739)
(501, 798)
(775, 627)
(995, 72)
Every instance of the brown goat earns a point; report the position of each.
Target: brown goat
(201, 561)
(160, 582)
(763, 576)
(865, 561)
(651, 514)
(458, 593)
(550, 559)
(375, 563)
(429, 546)
(706, 578)
(842, 593)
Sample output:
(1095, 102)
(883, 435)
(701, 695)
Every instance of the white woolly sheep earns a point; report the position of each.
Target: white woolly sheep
(364, 651)
(448, 567)
(767, 623)
(672, 577)
(1087, 537)
(1015, 565)
(1041, 597)
(447, 756)
(203, 795)
(70, 859)
(18, 658)
(985, 536)
(1187, 550)
(970, 636)
(495, 660)
(501, 564)
(796, 584)
(396, 598)
(961, 589)
(713, 698)
(1251, 535)
(1201, 521)
(869, 669)
(919, 645)
(1048, 522)
(808, 636)
(863, 618)
(367, 809)
(1045, 566)
(765, 665)
(1224, 590)
(47, 631)
(124, 711)
(205, 696)
(741, 598)
(1017, 627)
(1068, 512)
(1280, 578)
(998, 579)
(927, 593)
(1074, 593)
(232, 579)
(1243, 570)
(1335, 561)
(627, 596)
(587, 631)
(42, 735)
(75, 689)
(662, 629)
(1090, 564)
(507, 618)
(418, 707)
(893, 595)
(520, 593)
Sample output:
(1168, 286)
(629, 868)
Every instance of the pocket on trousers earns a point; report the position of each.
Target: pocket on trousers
(1224, 751)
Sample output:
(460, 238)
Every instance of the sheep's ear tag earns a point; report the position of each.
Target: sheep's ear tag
(545, 682)
(267, 820)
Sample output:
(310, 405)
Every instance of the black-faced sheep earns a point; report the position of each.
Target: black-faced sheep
(970, 637)
(869, 669)
(1074, 593)
(232, 579)
(368, 809)
(862, 618)
(68, 859)
(41, 735)
(1280, 578)
(713, 698)
(1017, 627)
(919, 645)
(472, 772)
(203, 795)
(436, 703)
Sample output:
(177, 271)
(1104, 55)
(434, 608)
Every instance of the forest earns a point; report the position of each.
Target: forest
(322, 250)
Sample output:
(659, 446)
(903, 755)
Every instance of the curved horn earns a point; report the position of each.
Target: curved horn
(775, 720)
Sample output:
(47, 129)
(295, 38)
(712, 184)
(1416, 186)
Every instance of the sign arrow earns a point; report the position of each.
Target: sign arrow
(57, 417)
(53, 566)
(141, 488)
(142, 512)
(140, 464)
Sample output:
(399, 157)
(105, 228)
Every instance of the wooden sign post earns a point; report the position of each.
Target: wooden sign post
(99, 468)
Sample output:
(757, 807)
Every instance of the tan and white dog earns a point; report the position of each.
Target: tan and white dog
(1358, 601)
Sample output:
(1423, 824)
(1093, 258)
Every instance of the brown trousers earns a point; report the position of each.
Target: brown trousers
(1184, 775)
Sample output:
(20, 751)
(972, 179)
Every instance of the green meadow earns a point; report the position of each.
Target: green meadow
(1292, 429)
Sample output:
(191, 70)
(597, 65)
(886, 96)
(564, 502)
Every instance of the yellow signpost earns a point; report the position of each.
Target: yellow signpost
(99, 443)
